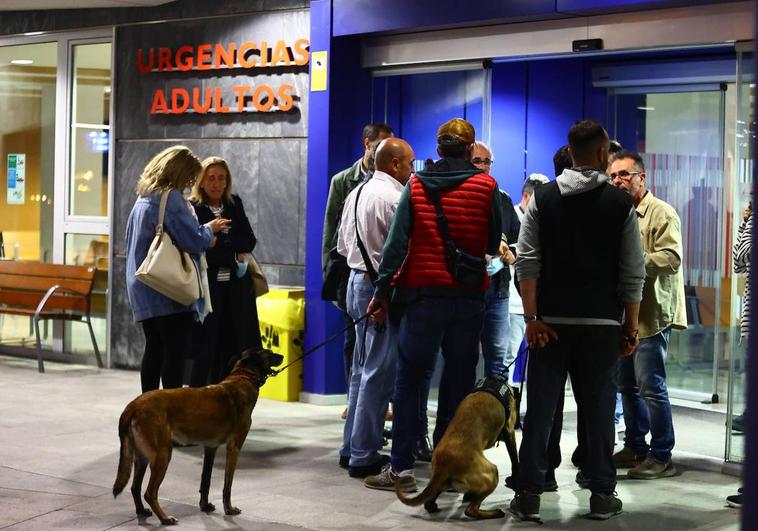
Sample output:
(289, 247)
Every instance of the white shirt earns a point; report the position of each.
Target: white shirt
(515, 305)
(376, 208)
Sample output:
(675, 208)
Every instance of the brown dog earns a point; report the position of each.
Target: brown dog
(211, 416)
(458, 460)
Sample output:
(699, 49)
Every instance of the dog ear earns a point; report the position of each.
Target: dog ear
(247, 353)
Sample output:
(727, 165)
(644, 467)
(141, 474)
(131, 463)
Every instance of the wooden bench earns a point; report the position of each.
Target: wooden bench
(47, 291)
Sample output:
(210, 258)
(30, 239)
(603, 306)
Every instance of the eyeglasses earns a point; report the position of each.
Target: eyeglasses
(624, 175)
(486, 162)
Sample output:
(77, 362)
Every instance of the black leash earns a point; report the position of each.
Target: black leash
(324, 342)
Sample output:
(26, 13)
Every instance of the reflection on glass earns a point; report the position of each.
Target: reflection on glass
(89, 250)
(27, 136)
(90, 119)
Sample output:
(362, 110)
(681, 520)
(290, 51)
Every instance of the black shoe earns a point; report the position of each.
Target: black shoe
(735, 500)
(581, 480)
(526, 506)
(387, 433)
(604, 506)
(345, 461)
(423, 450)
(576, 457)
(368, 470)
(738, 424)
(551, 485)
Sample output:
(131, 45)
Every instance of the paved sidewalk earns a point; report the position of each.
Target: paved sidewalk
(59, 450)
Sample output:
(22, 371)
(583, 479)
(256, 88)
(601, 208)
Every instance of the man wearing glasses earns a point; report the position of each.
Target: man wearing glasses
(496, 332)
(642, 377)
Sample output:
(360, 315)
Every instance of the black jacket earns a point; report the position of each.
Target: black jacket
(510, 229)
(239, 239)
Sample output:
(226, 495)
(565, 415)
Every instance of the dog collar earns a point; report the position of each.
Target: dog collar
(500, 389)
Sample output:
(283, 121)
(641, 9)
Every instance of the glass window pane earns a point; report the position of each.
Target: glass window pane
(89, 250)
(27, 107)
(90, 117)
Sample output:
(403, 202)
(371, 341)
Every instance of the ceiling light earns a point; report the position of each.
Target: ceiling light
(32, 33)
(21, 62)
(107, 90)
(646, 108)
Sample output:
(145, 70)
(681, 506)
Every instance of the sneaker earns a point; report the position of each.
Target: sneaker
(345, 461)
(386, 479)
(735, 500)
(582, 480)
(652, 469)
(603, 506)
(526, 506)
(368, 470)
(343, 415)
(627, 458)
(422, 451)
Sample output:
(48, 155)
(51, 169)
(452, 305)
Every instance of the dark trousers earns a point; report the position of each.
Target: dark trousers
(168, 339)
(554, 444)
(431, 324)
(589, 355)
(231, 328)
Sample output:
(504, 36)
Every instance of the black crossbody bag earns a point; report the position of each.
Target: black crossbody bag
(364, 254)
(467, 269)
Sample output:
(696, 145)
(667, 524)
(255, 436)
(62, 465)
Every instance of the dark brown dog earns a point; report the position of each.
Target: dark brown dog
(458, 460)
(210, 416)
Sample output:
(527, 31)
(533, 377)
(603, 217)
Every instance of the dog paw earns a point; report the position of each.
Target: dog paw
(431, 507)
(207, 507)
(169, 520)
(231, 511)
(144, 513)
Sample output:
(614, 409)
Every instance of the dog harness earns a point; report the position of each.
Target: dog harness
(500, 389)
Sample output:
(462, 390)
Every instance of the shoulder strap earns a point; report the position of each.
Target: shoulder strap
(162, 211)
(364, 254)
(452, 249)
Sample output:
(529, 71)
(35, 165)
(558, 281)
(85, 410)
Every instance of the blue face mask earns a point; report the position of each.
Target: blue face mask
(494, 265)
(241, 268)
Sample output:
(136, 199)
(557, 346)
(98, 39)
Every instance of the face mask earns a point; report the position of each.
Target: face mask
(241, 269)
(494, 265)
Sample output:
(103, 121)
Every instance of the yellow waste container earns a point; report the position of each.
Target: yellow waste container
(281, 313)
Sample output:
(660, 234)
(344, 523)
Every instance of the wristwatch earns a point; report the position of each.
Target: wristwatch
(529, 318)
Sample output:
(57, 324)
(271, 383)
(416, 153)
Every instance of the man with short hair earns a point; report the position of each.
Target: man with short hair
(642, 377)
(580, 269)
(496, 331)
(366, 218)
(341, 185)
(443, 297)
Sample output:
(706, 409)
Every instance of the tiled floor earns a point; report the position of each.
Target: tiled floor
(59, 450)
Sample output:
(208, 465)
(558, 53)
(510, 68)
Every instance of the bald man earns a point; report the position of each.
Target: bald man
(366, 221)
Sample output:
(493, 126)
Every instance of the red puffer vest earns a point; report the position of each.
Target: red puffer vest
(468, 207)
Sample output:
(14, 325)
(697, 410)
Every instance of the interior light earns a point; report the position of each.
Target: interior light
(107, 90)
(21, 62)
(646, 108)
(32, 33)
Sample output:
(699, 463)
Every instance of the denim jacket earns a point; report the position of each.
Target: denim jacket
(187, 233)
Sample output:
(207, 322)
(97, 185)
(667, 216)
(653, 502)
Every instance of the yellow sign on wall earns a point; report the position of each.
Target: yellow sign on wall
(318, 71)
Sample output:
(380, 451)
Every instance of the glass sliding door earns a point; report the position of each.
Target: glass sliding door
(680, 135)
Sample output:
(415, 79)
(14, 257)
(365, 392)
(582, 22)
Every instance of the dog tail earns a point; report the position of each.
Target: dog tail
(435, 486)
(126, 456)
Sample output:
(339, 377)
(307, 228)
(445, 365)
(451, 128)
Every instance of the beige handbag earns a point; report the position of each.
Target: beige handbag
(260, 284)
(167, 269)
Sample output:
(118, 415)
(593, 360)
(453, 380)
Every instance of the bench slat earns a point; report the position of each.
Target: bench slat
(27, 269)
(43, 315)
(34, 283)
(30, 299)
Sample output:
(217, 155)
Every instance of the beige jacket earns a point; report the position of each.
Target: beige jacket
(663, 294)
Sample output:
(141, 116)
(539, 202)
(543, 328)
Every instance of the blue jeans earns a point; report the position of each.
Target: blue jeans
(371, 379)
(428, 325)
(495, 333)
(642, 383)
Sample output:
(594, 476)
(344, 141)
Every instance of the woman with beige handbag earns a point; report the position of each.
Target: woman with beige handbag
(164, 236)
(233, 325)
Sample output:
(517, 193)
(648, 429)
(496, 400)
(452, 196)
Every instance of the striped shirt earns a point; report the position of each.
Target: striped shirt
(224, 273)
(741, 260)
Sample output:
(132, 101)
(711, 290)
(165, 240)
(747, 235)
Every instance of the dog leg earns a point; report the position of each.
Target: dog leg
(140, 465)
(510, 444)
(482, 486)
(431, 504)
(232, 452)
(158, 468)
(205, 480)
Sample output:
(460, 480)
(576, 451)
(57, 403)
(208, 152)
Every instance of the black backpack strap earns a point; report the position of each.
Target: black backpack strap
(364, 254)
(450, 246)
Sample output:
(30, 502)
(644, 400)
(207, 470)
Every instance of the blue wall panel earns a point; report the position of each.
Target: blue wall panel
(610, 6)
(555, 102)
(353, 17)
(508, 126)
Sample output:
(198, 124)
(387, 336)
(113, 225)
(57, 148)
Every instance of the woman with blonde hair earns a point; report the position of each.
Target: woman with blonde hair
(166, 323)
(233, 325)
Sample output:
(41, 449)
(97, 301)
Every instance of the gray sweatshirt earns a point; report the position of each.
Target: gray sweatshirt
(631, 260)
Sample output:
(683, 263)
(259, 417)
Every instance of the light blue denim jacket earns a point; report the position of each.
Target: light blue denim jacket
(187, 233)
